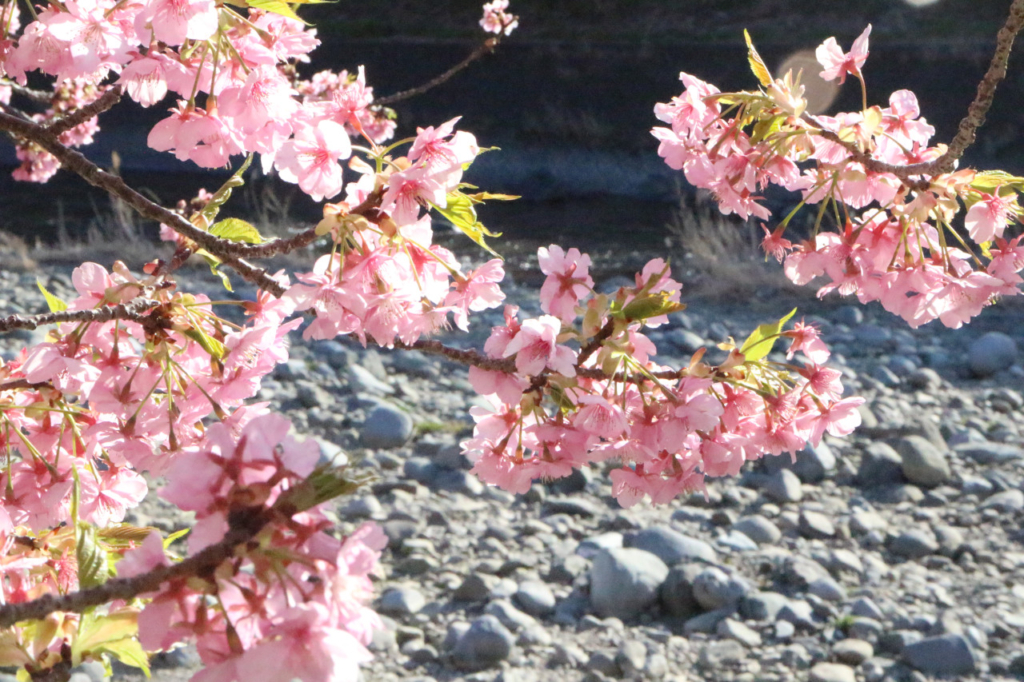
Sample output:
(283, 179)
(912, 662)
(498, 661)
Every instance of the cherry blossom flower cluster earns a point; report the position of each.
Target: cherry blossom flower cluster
(582, 387)
(386, 280)
(898, 238)
(289, 604)
(38, 165)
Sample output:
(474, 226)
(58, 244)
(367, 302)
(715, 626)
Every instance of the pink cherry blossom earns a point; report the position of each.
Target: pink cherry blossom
(311, 159)
(535, 348)
(836, 64)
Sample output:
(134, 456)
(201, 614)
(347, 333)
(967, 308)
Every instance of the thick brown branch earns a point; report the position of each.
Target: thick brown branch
(78, 116)
(131, 311)
(486, 48)
(198, 564)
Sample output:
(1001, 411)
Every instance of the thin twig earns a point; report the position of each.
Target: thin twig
(487, 47)
(102, 103)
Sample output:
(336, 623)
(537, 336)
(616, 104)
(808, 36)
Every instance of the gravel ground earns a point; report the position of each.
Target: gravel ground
(894, 554)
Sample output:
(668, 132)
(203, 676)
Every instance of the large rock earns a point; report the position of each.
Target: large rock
(813, 464)
(832, 672)
(946, 655)
(486, 643)
(759, 529)
(713, 589)
(1006, 502)
(880, 466)
(922, 462)
(677, 591)
(386, 427)
(783, 486)
(624, 582)
(994, 352)
(671, 546)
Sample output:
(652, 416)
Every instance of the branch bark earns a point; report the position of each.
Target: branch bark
(486, 48)
(131, 311)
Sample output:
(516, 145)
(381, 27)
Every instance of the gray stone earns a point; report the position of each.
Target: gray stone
(831, 672)
(853, 651)
(759, 529)
(737, 541)
(475, 587)
(685, 340)
(706, 622)
(624, 582)
(872, 335)
(885, 376)
(590, 546)
(676, 591)
(864, 606)
(850, 315)
(990, 453)
(733, 629)
(815, 525)
(486, 643)
(864, 628)
(1006, 502)
(924, 379)
(880, 466)
(713, 589)
(762, 606)
(827, 588)
(945, 655)
(631, 657)
(991, 353)
(813, 464)
(386, 427)
(535, 598)
(363, 381)
(922, 462)
(914, 544)
(401, 601)
(511, 617)
(783, 486)
(799, 613)
(573, 506)
(671, 546)
(720, 654)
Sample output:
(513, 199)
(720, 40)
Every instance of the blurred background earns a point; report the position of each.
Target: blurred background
(569, 99)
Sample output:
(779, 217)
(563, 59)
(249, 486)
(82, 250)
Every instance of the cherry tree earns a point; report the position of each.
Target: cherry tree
(138, 378)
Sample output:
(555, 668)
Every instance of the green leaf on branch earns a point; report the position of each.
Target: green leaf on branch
(481, 197)
(113, 634)
(276, 7)
(461, 214)
(211, 345)
(221, 196)
(236, 230)
(756, 63)
(170, 539)
(214, 263)
(91, 557)
(324, 484)
(987, 181)
(52, 302)
(759, 344)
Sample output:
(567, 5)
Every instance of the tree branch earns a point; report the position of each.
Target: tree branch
(969, 125)
(39, 96)
(131, 311)
(487, 47)
(200, 564)
(102, 103)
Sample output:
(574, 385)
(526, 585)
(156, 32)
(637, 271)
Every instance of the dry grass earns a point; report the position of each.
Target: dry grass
(721, 256)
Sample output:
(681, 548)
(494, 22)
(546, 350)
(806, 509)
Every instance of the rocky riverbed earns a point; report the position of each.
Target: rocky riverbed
(894, 554)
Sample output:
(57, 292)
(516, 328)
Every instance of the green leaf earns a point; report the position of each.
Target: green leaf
(52, 302)
(113, 634)
(323, 484)
(129, 652)
(211, 345)
(756, 63)
(481, 197)
(275, 6)
(214, 262)
(987, 181)
(760, 342)
(92, 558)
(169, 540)
(236, 230)
(461, 214)
(221, 196)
